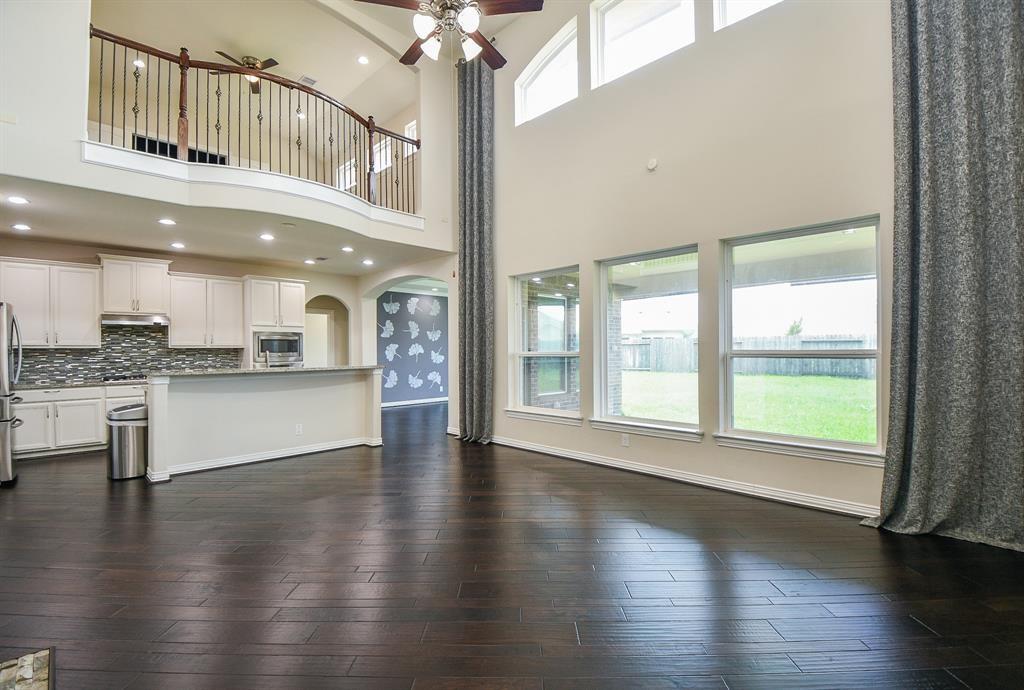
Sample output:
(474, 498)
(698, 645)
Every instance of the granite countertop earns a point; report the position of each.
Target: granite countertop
(262, 372)
(76, 384)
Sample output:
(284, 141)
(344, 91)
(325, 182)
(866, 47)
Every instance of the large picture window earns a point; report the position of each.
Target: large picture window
(551, 78)
(802, 335)
(546, 344)
(650, 338)
(629, 34)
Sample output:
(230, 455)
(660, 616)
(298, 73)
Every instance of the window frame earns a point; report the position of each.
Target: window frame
(720, 13)
(598, 8)
(517, 353)
(602, 418)
(565, 35)
(831, 449)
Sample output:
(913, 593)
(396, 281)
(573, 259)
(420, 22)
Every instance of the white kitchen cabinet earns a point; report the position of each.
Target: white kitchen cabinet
(188, 312)
(27, 287)
(134, 286)
(264, 302)
(78, 422)
(205, 312)
(36, 430)
(75, 313)
(224, 313)
(293, 304)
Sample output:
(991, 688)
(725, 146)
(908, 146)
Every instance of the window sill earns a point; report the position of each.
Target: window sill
(675, 433)
(541, 415)
(870, 458)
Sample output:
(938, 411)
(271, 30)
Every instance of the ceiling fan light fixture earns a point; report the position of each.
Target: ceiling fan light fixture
(252, 78)
(470, 48)
(423, 25)
(432, 47)
(469, 20)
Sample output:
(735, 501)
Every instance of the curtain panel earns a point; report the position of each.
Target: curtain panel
(955, 454)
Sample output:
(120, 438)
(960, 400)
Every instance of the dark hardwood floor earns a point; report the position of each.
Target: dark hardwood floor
(431, 564)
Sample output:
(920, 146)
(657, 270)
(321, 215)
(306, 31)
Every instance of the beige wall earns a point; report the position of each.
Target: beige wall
(779, 121)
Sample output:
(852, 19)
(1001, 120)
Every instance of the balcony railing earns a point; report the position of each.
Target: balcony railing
(145, 99)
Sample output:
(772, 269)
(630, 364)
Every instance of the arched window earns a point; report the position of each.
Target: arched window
(551, 78)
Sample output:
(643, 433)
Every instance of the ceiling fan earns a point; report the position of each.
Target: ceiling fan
(252, 63)
(436, 17)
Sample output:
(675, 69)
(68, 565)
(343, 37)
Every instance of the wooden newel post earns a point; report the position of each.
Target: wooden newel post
(371, 182)
(183, 63)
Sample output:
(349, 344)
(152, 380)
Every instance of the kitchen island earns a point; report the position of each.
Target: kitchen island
(205, 419)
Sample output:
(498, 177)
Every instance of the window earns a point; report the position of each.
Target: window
(731, 11)
(551, 78)
(546, 341)
(650, 338)
(410, 132)
(348, 175)
(382, 155)
(632, 33)
(802, 335)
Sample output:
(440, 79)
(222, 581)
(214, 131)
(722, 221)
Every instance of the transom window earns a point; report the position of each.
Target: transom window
(551, 78)
(650, 337)
(802, 335)
(628, 34)
(545, 342)
(731, 11)
(410, 132)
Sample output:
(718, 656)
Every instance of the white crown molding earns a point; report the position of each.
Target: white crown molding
(833, 505)
(46, 262)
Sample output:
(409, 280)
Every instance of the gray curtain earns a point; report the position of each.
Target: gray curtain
(955, 461)
(476, 250)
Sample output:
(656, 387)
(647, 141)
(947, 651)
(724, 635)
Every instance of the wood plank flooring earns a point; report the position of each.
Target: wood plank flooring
(429, 564)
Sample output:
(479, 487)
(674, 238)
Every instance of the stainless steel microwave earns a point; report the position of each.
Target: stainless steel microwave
(276, 349)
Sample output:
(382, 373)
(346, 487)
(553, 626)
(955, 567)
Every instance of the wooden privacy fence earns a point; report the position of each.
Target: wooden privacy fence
(680, 355)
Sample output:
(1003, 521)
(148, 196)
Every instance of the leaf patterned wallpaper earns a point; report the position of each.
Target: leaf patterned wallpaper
(412, 346)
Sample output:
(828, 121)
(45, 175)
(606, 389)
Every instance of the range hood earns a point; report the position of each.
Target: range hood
(135, 320)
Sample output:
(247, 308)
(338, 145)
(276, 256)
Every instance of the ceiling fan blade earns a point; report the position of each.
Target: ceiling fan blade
(489, 53)
(405, 4)
(225, 55)
(268, 63)
(490, 8)
(254, 87)
(413, 54)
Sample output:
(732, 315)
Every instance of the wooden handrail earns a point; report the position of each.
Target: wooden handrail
(185, 63)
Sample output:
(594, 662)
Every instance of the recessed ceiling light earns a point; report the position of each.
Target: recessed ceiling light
(536, 280)
(363, 60)
(21, 227)
(266, 236)
(347, 249)
(17, 200)
(309, 261)
(178, 245)
(367, 262)
(139, 63)
(558, 294)
(166, 221)
(570, 285)
(434, 289)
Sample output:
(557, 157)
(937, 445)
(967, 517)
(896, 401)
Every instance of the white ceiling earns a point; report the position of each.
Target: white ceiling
(303, 36)
(75, 214)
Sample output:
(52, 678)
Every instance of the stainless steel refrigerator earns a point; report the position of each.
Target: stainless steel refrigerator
(10, 369)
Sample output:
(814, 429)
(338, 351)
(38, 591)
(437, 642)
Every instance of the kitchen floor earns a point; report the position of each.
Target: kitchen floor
(433, 564)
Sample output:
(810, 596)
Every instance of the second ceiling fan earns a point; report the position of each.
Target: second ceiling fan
(457, 17)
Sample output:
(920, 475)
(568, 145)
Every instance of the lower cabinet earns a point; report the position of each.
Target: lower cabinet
(78, 423)
(36, 430)
(50, 422)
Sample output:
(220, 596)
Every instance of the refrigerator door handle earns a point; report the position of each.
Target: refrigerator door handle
(21, 356)
(15, 423)
(16, 399)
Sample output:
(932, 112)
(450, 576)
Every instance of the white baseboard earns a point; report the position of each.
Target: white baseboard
(216, 463)
(781, 495)
(454, 431)
(157, 477)
(406, 403)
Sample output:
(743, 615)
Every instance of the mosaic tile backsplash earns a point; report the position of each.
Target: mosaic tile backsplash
(123, 350)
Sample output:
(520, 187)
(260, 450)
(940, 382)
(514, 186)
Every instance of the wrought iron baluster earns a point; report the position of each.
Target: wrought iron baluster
(216, 127)
(99, 91)
(124, 91)
(270, 126)
(259, 124)
(159, 73)
(208, 116)
(249, 132)
(136, 73)
(147, 102)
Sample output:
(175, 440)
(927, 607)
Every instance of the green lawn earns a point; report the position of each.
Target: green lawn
(817, 406)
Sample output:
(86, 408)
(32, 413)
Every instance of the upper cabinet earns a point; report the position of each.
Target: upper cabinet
(135, 286)
(205, 312)
(56, 305)
(275, 303)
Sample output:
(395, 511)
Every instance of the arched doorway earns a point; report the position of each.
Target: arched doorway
(326, 339)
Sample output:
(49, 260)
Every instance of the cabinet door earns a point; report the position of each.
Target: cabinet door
(293, 304)
(36, 431)
(76, 306)
(224, 313)
(118, 286)
(188, 312)
(151, 288)
(263, 304)
(27, 288)
(78, 423)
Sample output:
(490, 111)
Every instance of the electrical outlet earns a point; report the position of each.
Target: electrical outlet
(625, 440)
(298, 430)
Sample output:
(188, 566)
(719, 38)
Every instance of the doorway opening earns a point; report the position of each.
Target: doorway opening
(325, 340)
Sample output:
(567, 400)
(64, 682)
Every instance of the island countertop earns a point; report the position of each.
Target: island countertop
(261, 372)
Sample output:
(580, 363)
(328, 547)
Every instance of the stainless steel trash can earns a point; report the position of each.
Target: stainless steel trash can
(129, 426)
